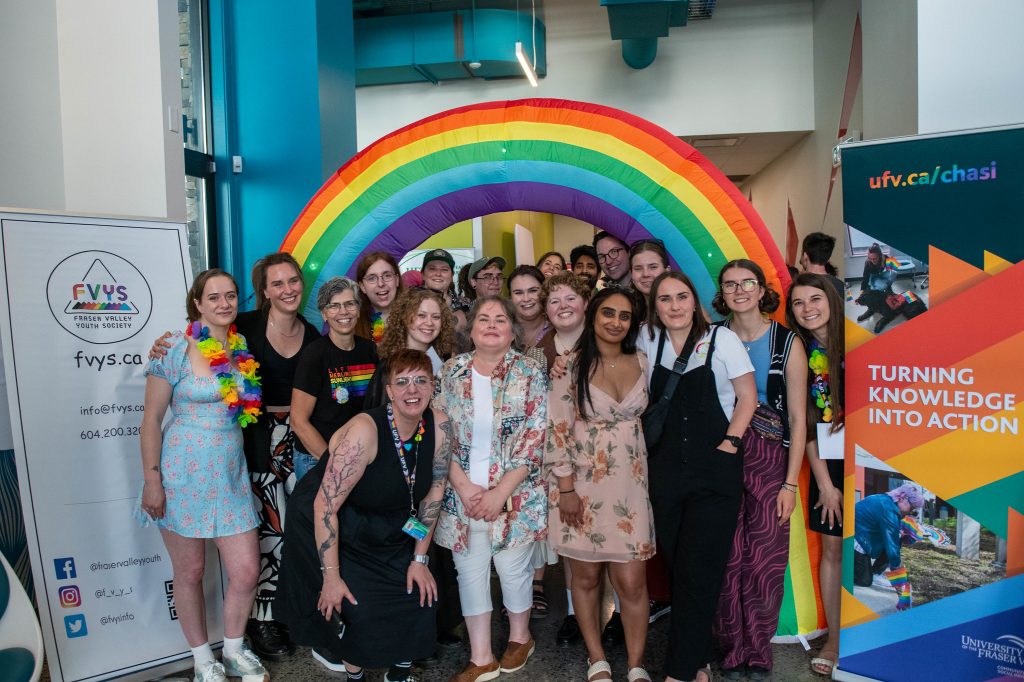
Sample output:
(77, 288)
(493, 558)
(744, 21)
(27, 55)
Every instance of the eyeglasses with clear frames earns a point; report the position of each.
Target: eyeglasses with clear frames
(613, 254)
(336, 306)
(386, 278)
(418, 381)
(746, 285)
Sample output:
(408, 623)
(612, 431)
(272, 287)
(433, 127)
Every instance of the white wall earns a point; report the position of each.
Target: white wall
(31, 160)
(891, 67)
(971, 64)
(91, 83)
(801, 175)
(748, 69)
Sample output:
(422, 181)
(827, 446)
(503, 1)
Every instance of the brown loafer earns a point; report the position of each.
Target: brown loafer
(516, 655)
(477, 673)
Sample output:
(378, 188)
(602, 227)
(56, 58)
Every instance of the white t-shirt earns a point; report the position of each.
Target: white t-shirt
(729, 361)
(435, 360)
(483, 421)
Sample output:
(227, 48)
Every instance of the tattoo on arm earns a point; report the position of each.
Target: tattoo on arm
(343, 471)
(155, 467)
(443, 456)
(429, 511)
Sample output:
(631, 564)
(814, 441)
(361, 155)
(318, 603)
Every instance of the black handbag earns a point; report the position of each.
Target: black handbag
(653, 418)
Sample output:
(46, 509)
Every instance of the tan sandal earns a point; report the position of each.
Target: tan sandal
(596, 668)
(823, 666)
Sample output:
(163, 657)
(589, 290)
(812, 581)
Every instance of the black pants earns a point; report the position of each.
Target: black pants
(695, 524)
(864, 569)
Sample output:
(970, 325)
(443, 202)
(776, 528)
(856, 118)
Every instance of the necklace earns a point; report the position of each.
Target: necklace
(242, 398)
(818, 363)
(282, 332)
(748, 343)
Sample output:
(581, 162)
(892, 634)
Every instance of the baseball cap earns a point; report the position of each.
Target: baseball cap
(479, 265)
(438, 254)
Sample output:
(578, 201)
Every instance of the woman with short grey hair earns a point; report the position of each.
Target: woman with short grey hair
(333, 374)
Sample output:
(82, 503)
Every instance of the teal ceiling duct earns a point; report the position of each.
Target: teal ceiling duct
(439, 46)
(639, 24)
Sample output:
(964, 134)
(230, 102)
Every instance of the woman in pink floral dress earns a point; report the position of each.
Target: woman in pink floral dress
(601, 514)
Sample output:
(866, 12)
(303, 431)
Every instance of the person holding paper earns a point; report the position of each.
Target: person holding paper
(196, 480)
(815, 312)
(495, 506)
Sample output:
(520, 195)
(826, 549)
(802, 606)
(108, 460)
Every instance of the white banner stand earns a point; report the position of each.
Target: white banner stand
(83, 299)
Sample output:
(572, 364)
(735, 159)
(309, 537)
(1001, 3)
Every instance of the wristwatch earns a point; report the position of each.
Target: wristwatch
(421, 558)
(735, 440)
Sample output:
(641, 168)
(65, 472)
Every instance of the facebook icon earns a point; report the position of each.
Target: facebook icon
(65, 568)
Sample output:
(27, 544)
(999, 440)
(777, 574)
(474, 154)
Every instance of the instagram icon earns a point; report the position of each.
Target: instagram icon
(70, 597)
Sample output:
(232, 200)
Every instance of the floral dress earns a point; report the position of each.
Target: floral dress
(205, 478)
(608, 456)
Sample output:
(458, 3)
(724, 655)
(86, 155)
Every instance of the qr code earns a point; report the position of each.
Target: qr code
(169, 593)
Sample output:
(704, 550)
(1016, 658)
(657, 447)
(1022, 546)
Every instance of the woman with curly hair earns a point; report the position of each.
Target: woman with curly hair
(773, 446)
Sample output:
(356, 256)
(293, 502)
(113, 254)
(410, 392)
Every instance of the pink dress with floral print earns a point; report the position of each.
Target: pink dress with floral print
(205, 478)
(608, 456)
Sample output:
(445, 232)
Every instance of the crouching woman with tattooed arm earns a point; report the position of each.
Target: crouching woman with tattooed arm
(373, 514)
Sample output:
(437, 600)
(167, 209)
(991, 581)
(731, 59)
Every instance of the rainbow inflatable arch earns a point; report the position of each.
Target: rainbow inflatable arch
(590, 162)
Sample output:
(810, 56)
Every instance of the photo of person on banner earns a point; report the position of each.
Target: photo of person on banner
(877, 539)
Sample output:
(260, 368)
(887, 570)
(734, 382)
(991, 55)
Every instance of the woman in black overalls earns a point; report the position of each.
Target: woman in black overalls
(696, 467)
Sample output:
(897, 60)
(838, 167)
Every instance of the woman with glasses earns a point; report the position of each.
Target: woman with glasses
(596, 454)
(495, 505)
(333, 374)
(551, 264)
(696, 466)
(815, 312)
(379, 281)
(356, 579)
(647, 260)
(773, 452)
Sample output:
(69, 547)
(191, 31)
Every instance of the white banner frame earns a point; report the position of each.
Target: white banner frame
(112, 568)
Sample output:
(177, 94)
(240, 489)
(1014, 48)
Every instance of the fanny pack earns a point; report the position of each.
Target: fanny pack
(767, 423)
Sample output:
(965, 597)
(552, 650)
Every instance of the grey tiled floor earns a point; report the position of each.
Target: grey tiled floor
(550, 663)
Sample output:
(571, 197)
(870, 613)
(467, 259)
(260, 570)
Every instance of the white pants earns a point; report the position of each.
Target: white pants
(474, 566)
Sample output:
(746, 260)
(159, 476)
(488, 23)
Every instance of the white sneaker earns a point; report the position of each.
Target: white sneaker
(212, 671)
(246, 665)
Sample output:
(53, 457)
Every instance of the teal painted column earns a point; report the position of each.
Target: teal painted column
(283, 99)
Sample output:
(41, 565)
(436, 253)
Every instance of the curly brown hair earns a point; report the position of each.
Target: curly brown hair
(403, 313)
(564, 279)
(769, 301)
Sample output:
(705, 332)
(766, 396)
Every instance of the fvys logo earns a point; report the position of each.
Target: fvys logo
(99, 297)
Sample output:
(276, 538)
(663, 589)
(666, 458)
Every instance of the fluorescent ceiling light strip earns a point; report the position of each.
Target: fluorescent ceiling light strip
(531, 75)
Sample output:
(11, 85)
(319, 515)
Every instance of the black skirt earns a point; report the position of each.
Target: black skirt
(835, 473)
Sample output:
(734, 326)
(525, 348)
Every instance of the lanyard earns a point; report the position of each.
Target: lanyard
(410, 477)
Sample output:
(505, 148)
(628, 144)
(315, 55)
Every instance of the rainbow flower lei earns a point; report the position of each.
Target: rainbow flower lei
(377, 326)
(818, 363)
(243, 400)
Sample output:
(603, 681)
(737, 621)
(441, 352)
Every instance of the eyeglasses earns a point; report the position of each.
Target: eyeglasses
(747, 285)
(335, 306)
(613, 254)
(491, 277)
(418, 381)
(386, 278)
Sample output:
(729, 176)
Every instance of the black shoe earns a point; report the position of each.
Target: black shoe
(865, 316)
(269, 639)
(569, 632)
(758, 673)
(431, 661)
(659, 609)
(613, 634)
(448, 639)
(736, 673)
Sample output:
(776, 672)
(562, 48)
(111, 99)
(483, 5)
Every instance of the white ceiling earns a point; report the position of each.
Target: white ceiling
(751, 153)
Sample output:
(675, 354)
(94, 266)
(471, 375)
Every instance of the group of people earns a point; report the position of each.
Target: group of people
(362, 479)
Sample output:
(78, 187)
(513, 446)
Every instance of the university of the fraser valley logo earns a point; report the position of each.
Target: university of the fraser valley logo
(99, 297)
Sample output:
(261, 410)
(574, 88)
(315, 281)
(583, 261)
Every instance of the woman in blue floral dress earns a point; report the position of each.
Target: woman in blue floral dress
(196, 481)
